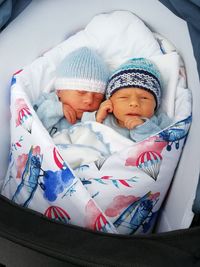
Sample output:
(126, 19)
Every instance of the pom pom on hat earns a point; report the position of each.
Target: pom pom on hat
(82, 69)
(139, 73)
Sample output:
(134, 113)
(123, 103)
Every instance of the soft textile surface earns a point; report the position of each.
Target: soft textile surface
(84, 143)
(116, 186)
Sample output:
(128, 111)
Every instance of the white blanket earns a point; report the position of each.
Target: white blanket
(86, 142)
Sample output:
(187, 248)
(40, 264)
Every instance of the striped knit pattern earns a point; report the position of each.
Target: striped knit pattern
(136, 73)
(83, 69)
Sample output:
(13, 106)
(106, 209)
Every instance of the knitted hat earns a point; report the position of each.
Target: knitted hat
(82, 69)
(136, 72)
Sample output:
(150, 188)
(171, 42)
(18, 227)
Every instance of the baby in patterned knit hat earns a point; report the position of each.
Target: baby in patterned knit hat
(79, 85)
(133, 95)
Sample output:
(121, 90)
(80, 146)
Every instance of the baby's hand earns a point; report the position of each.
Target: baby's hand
(69, 113)
(105, 108)
(132, 122)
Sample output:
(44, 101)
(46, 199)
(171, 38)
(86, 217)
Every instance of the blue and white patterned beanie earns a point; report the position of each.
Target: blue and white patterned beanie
(82, 69)
(136, 72)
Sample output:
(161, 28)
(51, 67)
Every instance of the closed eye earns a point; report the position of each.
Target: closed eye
(82, 92)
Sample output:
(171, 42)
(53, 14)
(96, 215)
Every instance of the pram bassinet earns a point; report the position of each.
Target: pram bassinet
(179, 226)
(117, 185)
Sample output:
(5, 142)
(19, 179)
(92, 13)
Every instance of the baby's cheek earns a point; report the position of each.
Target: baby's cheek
(117, 115)
(96, 104)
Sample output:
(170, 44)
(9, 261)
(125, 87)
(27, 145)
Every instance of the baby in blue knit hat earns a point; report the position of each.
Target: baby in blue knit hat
(133, 95)
(80, 84)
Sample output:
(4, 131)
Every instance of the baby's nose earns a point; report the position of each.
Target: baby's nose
(133, 103)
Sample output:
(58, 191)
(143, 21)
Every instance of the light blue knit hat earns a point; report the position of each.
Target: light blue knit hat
(82, 69)
(136, 72)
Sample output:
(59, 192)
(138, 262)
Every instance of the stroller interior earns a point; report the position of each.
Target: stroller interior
(27, 234)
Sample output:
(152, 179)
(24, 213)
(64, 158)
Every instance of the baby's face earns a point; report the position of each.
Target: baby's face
(80, 101)
(132, 102)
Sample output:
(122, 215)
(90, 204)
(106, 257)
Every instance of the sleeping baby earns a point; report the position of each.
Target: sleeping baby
(79, 87)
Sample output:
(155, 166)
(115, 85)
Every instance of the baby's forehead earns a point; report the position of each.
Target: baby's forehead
(132, 91)
(78, 91)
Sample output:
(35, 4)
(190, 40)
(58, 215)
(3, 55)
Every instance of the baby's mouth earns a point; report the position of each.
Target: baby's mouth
(133, 114)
